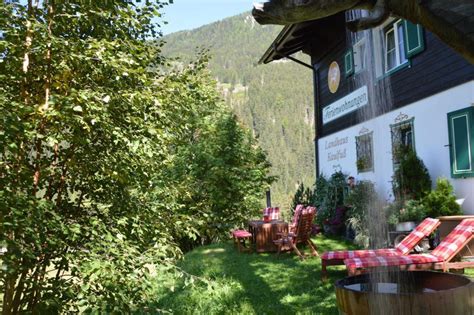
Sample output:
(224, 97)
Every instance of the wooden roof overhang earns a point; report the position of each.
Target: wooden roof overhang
(312, 37)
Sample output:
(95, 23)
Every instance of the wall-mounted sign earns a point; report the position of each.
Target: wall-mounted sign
(346, 105)
(336, 148)
(334, 77)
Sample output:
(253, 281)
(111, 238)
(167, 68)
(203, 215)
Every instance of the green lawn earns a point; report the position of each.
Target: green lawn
(256, 283)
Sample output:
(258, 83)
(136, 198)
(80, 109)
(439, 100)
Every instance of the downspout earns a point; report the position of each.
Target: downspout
(316, 118)
(315, 71)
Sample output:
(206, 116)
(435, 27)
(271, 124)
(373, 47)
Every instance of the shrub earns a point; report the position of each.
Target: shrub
(411, 180)
(410, 210)
(329, 196)
(303, 196)
(441, 201)
(358, 201)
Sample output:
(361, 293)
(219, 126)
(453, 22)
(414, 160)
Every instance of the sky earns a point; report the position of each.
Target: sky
(190, 14)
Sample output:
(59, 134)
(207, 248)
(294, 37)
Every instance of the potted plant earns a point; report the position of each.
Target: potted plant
(358, 202)
(405, 215)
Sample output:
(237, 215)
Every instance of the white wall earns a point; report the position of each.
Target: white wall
(431, 136)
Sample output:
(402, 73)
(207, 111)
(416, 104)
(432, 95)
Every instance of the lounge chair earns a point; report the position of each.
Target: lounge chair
(299, 231)
(424, 229)
(440, 258)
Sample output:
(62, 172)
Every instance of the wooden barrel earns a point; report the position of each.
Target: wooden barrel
(406, 292)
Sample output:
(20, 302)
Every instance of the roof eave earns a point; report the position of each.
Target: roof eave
(273, 49)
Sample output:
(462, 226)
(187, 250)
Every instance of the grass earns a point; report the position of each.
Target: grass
(256, 283)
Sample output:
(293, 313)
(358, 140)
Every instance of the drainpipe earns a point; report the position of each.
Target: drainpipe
(315, 70)
(316, 117)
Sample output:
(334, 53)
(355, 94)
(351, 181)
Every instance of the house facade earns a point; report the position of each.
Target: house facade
(383, 90)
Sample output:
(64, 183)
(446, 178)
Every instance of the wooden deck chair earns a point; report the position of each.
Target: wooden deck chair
(441, 258)
(299, 232)
(424, 229)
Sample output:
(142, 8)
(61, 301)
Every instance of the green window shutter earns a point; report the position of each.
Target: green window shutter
(414, 42)
(349, 63)
(461, 136)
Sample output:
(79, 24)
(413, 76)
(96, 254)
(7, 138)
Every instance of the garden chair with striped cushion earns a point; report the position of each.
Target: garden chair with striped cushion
(293, 224)
(424, 229)
(440, 258)
(301, 233)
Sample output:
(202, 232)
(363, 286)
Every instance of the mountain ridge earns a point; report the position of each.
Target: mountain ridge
(275, 100)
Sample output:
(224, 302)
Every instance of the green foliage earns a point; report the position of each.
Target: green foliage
(303, 196)
(411, 179)
(274, 100)
(101, 152)
(441, 201)
(359, 200)
(329, 196)
(228, 174)
(405, 211)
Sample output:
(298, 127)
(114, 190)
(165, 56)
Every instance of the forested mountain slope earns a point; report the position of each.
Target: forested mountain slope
(274, 100)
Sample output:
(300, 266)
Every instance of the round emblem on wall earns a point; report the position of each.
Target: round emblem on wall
(334, 77)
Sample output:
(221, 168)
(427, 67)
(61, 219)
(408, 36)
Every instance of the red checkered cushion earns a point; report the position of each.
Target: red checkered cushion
(455, 240)
(424, 229)
(241, 234)
(272, 213)
(296, 214)
(385, 261)
(458, 238)
(345, 254)
(309, 209)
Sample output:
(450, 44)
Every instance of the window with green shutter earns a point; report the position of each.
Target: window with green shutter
(414, 39)
(461, 136)
(348, 63)
(398, 42)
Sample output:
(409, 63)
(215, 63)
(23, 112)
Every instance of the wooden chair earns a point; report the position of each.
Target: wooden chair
(299, 232)
(442, 257)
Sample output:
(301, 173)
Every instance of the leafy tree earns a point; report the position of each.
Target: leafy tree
(93, 125)
(274, 100)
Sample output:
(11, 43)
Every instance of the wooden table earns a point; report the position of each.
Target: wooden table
(264, 233)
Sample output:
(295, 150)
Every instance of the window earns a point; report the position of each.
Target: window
(461, 137)
(394, 46)
(359, 55)
(403, 139)
(354, 58)
(364, 151)
(395, 43)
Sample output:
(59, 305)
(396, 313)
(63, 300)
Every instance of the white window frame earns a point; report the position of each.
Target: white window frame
(357, 51)
(398, 42)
